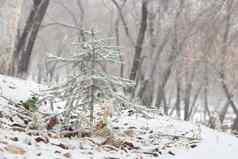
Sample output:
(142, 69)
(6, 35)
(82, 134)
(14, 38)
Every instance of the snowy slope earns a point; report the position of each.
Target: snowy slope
(214, 145)
(159, 137)
(17, 89)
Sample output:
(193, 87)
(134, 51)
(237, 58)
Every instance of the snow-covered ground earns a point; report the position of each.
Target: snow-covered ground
(214, 145)
(17, 89)
(159, 137)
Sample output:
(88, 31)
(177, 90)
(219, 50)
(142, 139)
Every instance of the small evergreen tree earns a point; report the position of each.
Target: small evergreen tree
(90, 82)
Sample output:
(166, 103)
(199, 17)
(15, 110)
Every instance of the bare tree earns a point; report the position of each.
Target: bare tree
(25, 40)
(140, 39)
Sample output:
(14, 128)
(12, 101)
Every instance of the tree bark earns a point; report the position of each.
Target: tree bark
(178, 97)
(223, 112)
(25, 42)
(140, 40)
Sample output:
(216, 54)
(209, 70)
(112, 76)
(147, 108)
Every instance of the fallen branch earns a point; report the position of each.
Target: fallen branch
(9, 100)
(151, 153)
(178, 136)
(138, 108)
(110, 147)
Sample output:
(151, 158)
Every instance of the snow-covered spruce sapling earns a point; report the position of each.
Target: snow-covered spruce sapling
(30, 104)
(89, 82)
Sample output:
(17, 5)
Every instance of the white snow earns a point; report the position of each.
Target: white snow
(214, 145)
(149, 134)
(17, 89)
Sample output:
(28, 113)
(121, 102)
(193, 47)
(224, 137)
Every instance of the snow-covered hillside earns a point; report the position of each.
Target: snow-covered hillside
(158, 137)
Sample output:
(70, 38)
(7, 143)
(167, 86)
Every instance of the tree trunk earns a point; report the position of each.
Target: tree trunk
(206, 107)
(223, 112)
(25, 42)
(178, 98)
(140, 39)
(188, 93)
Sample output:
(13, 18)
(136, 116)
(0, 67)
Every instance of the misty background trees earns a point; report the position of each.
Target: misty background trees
(181, 54)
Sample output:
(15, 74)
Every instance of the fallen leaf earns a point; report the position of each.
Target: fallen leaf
(15, 149)
(130, 132)
(67, 155)
(42, 139)
(57, 151)
(171, 153)
(39, 154)
(193, 146)
(14, 139)
(62, 146)
(52, 122)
